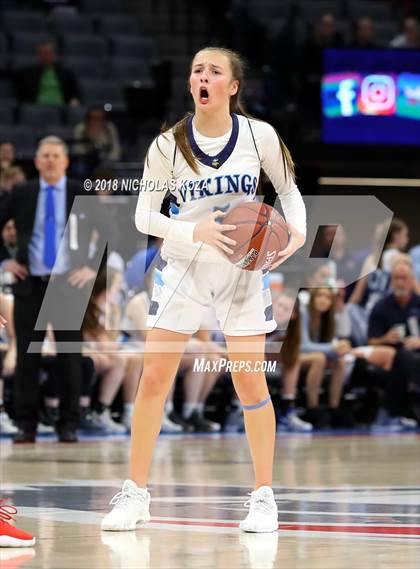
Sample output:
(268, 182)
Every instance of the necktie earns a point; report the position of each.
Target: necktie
(49, 229)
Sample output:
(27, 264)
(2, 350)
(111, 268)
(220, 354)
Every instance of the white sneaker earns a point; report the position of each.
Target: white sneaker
(105, 422)
(131, 506)
(6, 425)
(296, 424)
(263, 514)
(169, 426)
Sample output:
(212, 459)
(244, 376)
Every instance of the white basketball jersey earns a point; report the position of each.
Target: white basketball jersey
(229, 169)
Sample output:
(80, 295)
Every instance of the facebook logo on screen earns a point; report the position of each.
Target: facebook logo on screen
(339, 94)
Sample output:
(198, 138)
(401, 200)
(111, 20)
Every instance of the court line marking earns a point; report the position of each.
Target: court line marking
(116, 483)
(94, 518)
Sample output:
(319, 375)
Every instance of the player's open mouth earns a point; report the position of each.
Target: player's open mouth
(204, 95)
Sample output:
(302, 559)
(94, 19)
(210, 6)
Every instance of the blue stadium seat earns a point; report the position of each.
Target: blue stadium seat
(4, 52)
(64, 23)
(26, 43)
(84, 67)
(99, 92)
(112, 24)
(18, 61)
(24, 21)
(130, 70)
(83, 45)
(7, 112)
(62, 131)
(104, 6)
(378, 11)
(75, 115)
(39, 115)
(265, 10)
(139, 47)
(7, 90)
(23, 137)
(311, 10)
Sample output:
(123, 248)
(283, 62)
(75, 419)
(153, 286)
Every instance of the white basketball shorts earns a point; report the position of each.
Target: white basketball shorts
(185, 289)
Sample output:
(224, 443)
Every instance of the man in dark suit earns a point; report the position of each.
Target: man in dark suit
(48, 82)
(54, 235)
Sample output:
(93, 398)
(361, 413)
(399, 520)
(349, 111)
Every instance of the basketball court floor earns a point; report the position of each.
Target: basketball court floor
(345, 502)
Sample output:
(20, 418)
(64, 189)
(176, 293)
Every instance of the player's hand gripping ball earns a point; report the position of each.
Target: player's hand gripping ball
(261, 234)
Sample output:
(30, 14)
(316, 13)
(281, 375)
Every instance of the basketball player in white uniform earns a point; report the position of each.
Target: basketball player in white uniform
(210, 161)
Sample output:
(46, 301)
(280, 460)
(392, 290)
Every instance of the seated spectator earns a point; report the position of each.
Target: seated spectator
(375, 284)
(96, 139)
(287, 316)
(396, 242)
(7, 155)
(48, 82)
(333, 245)
(379, 356)
(364, 34)
(318, 335)
(9, 177)
(325, 32)
(410, 38)
(395, 321)
(323, 274)
(8, 242)
(101, 328)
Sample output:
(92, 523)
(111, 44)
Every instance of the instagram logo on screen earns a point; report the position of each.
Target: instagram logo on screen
(378, 95)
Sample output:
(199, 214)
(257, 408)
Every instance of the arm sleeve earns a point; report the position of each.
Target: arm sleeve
(271, 155)
(148, 219)
(308, 345)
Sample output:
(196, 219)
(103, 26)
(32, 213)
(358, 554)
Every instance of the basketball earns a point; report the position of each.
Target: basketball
(260, 234)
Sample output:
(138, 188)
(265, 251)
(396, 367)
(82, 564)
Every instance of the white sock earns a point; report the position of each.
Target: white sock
(200, 408)
(169, 407)
(188, 409)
